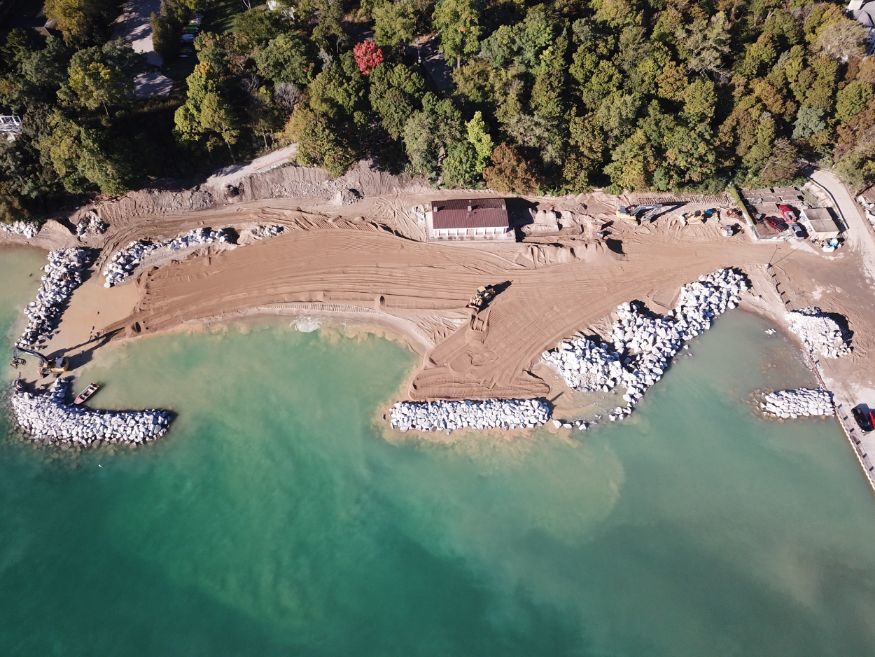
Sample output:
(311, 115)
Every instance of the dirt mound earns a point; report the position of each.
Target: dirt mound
(147, 202)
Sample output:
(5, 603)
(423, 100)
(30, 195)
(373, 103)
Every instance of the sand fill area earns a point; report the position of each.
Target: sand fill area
(366, 270)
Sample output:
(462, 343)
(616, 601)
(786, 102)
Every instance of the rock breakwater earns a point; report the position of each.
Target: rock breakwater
(48, 417)
(63, 273)
(124, 263)
(643, 344)
(799, 402)
(448, 415)
(820, 333)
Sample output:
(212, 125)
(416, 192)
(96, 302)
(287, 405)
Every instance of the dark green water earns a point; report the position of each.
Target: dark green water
(275, 520)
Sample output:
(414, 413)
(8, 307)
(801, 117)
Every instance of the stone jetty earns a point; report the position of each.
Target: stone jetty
(62, 275)
(643, 343)
(799, 402)
(48, 417)
(821, 334)
(448, 415)
(124, 263)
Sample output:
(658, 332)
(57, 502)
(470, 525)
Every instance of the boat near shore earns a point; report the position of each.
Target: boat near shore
(86, 394)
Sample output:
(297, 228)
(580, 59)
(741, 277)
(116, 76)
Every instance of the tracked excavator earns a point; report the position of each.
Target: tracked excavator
(57, 366)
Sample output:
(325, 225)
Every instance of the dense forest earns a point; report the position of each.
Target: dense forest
(559, 96)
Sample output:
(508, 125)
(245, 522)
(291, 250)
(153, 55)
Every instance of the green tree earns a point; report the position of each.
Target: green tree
(338, 90)
(460, 169)
(700, 99)
(79, 20)
(394, 93)
(207, 117)
(852, 100)
(82, 158)
(318, 143)
(101, 76)
(457, 21)
(479, 137)
(394, 22)
(285, 59)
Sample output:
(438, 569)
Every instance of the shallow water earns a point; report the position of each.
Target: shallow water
(276, 520)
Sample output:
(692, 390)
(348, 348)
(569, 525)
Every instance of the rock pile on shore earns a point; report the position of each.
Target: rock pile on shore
(821, 333)
(27, 229)
(801, 402)
(124, 263)
(586, 364)
(48, 417)
(644, 343)
(63, 274)
(446, 415)
(91, 224)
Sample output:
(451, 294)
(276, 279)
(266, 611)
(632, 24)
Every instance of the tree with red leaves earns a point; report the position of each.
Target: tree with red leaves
(368, 56)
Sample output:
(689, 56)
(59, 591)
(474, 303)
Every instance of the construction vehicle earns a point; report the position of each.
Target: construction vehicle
(57, 366)
(482, 297)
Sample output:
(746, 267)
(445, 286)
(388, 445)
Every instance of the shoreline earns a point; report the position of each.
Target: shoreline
(349, 271)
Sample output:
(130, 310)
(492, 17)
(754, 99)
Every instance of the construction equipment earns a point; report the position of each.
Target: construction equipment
(482, 297)
(640, 213)
(57, 366)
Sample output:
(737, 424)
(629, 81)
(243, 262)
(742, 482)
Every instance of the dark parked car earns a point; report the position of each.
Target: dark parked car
(776, 224)
(864, 416)
(798, 231)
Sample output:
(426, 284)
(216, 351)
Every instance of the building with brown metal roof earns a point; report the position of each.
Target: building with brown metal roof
(469, 219)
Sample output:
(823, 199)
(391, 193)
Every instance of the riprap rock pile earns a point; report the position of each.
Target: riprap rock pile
(27, 229)
(263, 232)
(644, 343)
(124, 263)
(448, 415)
(820, 332)
(800, 402)
(91, 224)
(48, 417)
(62, 275)
(586, 364)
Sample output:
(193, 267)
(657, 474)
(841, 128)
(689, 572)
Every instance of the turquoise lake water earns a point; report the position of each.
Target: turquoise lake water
(275, 519)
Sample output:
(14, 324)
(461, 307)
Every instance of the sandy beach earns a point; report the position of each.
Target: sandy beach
(368, 262)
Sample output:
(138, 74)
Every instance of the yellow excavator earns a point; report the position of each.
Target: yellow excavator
(57, 366)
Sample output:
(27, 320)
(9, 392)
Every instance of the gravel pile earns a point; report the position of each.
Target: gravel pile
(62, 275)
(48, 417)
(820, 333)
(449, 415)
(27, 229)
(644, 343)
(801, 402)
(124, 263)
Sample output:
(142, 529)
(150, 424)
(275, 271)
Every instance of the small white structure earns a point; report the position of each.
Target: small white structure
(820, 223)
(10, 126)
(469, 219)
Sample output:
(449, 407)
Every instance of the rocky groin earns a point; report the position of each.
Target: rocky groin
(49, 417)
(820, 332)
(643, 343)
(448, 415)
(799, 402)
(124, 263)
(63, 273)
